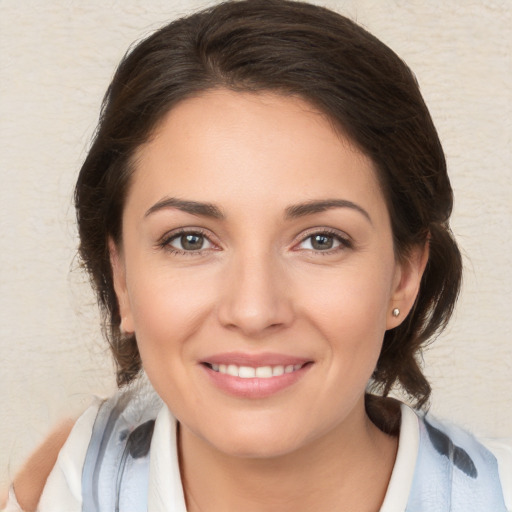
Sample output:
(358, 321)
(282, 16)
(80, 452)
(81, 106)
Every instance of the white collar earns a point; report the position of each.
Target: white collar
(400, 483)
(165, 491)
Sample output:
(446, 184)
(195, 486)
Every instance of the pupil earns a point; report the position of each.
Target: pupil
(191, 242)
(322, 242)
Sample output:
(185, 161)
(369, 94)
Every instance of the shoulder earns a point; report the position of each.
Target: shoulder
(54, 473)
(60, 453)
(97, 446)
(31, 479)
(502, 450)
(455, 467)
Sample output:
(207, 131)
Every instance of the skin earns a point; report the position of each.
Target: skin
(31, 479)
(255, 283)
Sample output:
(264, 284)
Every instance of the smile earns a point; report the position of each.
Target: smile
(260, 372)
(254, 376)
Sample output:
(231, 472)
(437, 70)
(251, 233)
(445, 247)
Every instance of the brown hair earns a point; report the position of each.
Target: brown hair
(345, 72)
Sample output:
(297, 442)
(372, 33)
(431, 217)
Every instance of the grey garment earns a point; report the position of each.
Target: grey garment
(115, 475)
(454, 472)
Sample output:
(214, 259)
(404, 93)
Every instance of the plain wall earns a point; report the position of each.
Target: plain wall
(56, 60)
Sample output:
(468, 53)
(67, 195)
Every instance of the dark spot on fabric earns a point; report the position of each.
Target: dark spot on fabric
(457, 455)
(139, 441)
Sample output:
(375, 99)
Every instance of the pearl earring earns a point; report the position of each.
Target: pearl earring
(395, 312)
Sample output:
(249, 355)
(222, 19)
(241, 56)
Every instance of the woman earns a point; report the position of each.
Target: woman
(264, 216)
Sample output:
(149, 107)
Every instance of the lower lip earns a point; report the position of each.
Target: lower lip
(255, 387)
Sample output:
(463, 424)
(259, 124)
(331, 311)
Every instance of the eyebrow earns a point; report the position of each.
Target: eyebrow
(192, 207)
(291, 212)
(311, 207)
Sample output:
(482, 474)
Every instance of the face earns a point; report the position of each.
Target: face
(257, 270)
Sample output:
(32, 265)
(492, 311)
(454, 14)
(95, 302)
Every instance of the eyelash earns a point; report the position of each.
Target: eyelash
(165, 242)
(344, 241)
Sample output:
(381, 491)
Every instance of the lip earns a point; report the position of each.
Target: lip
(254, 388)
(260, 359)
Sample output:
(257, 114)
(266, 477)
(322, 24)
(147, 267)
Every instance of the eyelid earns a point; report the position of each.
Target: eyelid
(164, 241)
(346, 242)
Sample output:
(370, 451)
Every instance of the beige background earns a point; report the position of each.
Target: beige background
(56, 59)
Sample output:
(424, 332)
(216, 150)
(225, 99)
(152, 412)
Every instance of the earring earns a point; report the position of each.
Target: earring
(395, 312)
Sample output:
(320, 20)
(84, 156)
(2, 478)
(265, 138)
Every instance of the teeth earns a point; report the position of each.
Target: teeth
(260, 372)
(277, 370)
(232, 370)
(246, 372)
(263, 372)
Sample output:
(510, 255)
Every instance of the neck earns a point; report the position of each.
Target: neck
(347, 469)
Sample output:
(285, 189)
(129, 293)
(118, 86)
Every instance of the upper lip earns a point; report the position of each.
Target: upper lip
(255, 360)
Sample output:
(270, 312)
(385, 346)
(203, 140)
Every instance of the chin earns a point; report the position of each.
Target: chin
(259, 448)
(254, 439)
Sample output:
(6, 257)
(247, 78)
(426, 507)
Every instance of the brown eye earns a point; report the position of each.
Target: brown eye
(190, 242)
(322, 242)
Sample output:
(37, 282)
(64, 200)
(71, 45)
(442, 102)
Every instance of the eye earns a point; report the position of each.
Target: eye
(324, 242)
(187, 242)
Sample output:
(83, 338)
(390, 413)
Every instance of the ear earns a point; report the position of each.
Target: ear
(407, 284)
(119, 276)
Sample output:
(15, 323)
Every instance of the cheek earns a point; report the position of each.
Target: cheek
(167, 313)
(350, 314)
(168, 307)
(350, 300)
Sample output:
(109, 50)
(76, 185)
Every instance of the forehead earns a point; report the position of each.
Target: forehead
(232, 146)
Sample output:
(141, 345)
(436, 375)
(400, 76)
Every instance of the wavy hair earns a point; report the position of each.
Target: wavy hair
(294, 48)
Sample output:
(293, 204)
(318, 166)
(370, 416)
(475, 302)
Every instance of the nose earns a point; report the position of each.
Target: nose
(255, 299)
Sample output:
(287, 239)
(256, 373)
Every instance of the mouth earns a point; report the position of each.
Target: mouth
(253, 377)
(258, 372)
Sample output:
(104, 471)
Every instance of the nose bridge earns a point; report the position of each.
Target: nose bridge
(255, 296)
